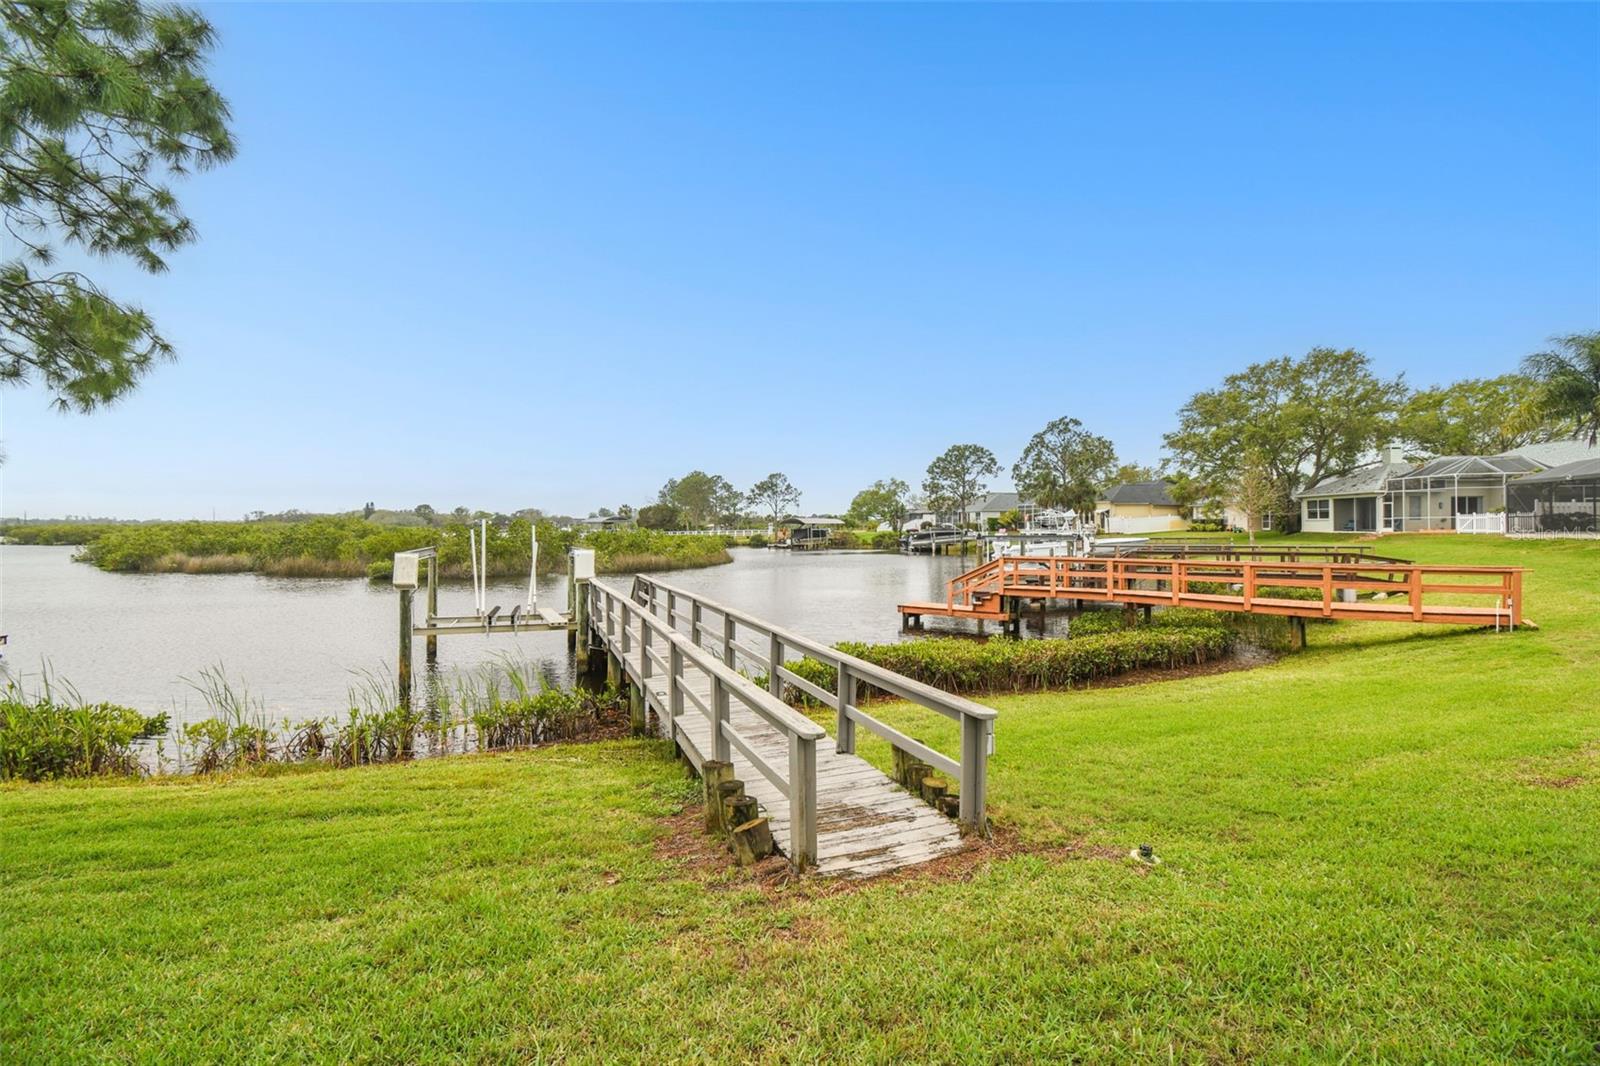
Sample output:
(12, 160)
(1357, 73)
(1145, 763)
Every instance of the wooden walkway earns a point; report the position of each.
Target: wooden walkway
(1398, 591)
(865, 824)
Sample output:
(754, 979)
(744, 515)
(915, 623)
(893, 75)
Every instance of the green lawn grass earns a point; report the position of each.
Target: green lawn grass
(1384, 848)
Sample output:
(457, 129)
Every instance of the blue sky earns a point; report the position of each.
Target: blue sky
(551, 256)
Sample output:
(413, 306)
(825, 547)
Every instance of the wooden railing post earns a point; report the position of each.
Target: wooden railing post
(644, 649)
(672, 609)
(674, 690)
(1414, 583)
(802, 802)
(728, 631)
(1516, 598)
(721, 748)
(1177, 580)
(1248, 583)
(1327, 591)
(974, 771)
(774, 660)
(695, 621)
(846, 744)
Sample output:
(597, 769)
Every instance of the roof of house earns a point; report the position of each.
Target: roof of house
(1000, 502)
(1583, 468)
(1362, 481)
(1557, 452)
(1157, 493)
(1469, 465)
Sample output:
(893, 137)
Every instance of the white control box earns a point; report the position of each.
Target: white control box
(405, 570)
(581, 563)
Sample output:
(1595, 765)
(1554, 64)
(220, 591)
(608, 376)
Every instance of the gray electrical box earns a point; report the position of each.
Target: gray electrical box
(405, 570)
(581, 563)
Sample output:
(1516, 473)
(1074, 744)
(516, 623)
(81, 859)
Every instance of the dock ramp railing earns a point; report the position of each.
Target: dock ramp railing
(721, 625)
(663, 652)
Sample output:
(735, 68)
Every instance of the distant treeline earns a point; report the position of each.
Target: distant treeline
(355, 547)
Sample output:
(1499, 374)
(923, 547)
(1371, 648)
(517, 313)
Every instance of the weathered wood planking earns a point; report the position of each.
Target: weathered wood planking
(866, 824)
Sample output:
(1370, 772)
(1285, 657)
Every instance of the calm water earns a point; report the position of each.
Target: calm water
(300, 644)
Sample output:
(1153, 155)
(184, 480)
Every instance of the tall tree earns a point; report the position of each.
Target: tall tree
(1477, 416)
(103, 100)
(957, 478)
(1568, 385)
(1258, 492)
(701, 498)
(1064, 465)
(660, 516)
(774, 495)
(884, 501)
(1305, 419)
(1132, 473)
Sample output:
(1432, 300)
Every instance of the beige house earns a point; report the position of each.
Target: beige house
(1140, 507)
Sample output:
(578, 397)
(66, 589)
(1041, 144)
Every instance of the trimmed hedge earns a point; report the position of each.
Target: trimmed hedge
(1174, 637)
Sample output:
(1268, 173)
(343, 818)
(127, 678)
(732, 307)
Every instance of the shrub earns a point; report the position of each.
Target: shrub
(50, 735)
(1090, 623)
(1007, 665)
(757, 540)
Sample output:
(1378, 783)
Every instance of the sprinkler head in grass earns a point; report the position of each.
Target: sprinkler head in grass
(1146, 854)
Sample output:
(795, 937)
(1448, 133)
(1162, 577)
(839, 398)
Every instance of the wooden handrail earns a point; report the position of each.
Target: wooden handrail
(1107, 577)
(976, 720)
(798, 780)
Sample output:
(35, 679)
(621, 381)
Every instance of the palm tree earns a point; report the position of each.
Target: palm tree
(1569, 383)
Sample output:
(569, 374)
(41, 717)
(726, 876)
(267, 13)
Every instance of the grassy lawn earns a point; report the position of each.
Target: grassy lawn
(1386, 847)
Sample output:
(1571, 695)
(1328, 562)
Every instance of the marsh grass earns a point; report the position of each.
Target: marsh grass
(48, 731)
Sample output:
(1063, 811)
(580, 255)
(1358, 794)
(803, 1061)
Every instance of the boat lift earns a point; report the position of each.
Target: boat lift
(419, 567)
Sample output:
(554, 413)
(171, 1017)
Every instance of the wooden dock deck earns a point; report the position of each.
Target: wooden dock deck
(988, 592)
(866, 824)
(838, 812)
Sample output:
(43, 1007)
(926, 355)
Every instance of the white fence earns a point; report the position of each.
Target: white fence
(1480, 523)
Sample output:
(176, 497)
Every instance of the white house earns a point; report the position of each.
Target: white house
(1465, 493)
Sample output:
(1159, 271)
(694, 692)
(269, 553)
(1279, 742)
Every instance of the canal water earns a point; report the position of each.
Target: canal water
(300, 645)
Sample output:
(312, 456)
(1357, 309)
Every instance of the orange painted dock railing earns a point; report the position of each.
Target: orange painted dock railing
(1396, 591)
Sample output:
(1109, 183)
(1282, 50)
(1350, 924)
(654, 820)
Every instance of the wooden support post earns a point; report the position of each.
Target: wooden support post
(403, 681)
(674, 691)
(934, 789)
(578, 602)
(1146, 611)
(901, 762)
(729, 794)
(974, 773)
(638, 721)
(914, 775)
(1130, 615)
(1297, 633)
(774, 661)
(844, 696)
(950, 806)
(752, 841)
(802, 802)
(433, 608)
(741, 810)
(713, 772)
(721, 749)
